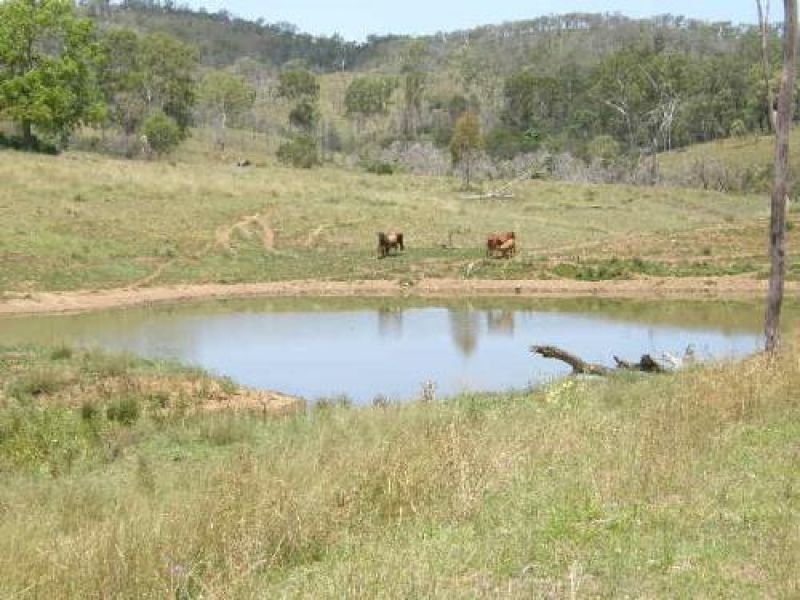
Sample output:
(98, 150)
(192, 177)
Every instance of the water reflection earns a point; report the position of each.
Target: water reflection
(464, 328)
(500, 322)
(390, 321)
(325, 348)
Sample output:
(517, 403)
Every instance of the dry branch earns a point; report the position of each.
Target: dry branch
(580, 367)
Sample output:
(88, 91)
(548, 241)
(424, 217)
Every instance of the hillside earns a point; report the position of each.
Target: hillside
(584, 38)
(736, 164)
(100, 222)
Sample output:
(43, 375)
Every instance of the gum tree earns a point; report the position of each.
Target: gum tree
(48, 66)
(780, 189)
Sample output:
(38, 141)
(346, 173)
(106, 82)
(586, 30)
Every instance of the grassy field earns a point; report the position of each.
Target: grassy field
(662, 486)
(738, 163)
(81, 221)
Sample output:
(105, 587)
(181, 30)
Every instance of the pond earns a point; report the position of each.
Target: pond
(369, 348)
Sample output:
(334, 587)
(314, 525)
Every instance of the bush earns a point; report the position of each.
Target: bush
(162, 132)
(17, 143)
(379, 167)
(301, 152)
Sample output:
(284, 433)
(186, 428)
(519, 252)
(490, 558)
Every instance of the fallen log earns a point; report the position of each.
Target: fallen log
(579, 366)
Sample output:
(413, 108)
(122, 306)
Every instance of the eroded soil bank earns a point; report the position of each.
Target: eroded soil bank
(646, 288)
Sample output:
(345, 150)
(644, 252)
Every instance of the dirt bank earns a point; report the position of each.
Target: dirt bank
(648, 288)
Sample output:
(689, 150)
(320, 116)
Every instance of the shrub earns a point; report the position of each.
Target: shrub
(162, 132)
(61, 353)
(300, 152)
(379, 167)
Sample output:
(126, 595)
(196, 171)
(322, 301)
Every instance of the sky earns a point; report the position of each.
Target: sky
(355, 19)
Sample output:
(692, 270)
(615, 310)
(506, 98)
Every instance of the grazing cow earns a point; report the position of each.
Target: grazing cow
(389, 241)
(508, 248)
(503, 243)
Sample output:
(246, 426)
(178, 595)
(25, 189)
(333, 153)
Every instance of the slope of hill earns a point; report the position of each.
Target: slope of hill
(97, 222)
(583, 38)
(734, 164)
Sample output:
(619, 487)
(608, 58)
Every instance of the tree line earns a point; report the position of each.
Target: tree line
(599, 87)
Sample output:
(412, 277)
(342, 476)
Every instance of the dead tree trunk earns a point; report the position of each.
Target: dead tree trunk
(580, 367)
(777, 234)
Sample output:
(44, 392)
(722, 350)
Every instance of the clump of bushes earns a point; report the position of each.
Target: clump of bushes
(300, 152)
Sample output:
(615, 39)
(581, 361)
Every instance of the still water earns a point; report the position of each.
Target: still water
(363, 349)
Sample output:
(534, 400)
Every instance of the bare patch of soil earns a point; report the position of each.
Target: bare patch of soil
(247, 226)
(643, 288)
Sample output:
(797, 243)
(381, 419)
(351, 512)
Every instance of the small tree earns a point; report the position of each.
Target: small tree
(121, 78)
(466, 143)
(414, 83)
(48, 61)
(302, 88)
(224, 96)
(304, 116)
(168, 84)
(298, 84)
(367, 97)
(162, 133)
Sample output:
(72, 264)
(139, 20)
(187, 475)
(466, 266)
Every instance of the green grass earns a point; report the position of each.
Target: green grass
(663, 486)
(79, 221)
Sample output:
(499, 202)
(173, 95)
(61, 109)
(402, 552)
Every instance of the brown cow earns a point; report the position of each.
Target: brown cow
(389, 241)
(504, 243)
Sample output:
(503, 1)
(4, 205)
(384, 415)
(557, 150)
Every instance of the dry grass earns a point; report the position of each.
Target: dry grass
(635, 486)
(87, 221)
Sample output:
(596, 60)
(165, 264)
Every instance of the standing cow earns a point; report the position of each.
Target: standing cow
(501, 244)
(389, 241)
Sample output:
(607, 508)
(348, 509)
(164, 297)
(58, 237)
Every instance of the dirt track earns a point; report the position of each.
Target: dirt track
(650, 288)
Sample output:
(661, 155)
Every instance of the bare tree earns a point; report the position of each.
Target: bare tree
(777, 232)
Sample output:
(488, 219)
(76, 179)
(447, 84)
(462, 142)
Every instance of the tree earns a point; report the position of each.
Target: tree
(48, 60)
(121, 79)
(224, 96)
(414, 82)
(304, 115)
(298, 84)
(168, 83)
(301, 87)
(466, 143)
(368, 96)
(783, 124)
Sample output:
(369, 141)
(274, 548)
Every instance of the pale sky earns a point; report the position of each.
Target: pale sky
(355, 19)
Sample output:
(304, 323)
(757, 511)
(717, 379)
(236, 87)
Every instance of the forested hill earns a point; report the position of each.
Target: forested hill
(222, 38)
(581, 39)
